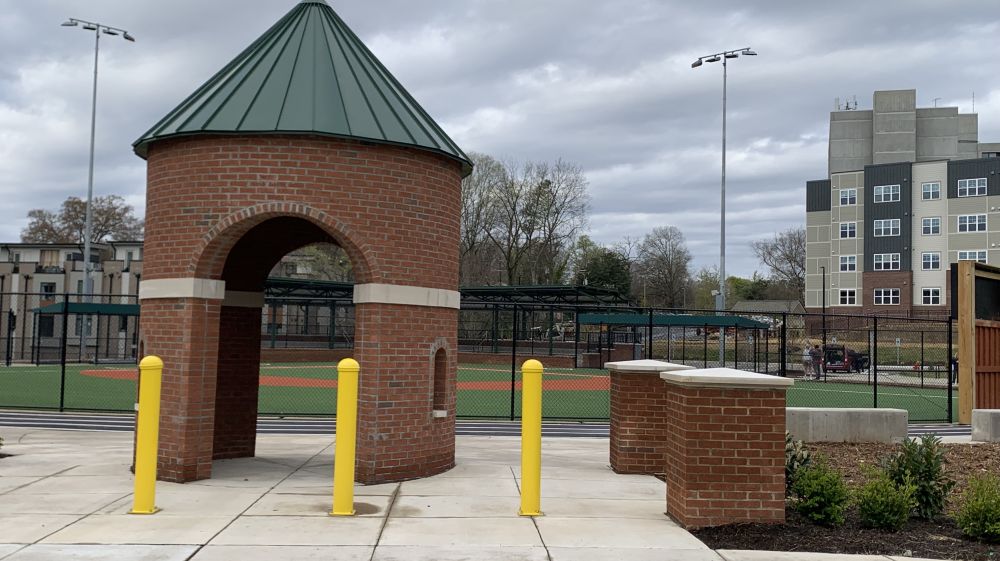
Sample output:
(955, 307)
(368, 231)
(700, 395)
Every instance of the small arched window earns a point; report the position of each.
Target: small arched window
(440, 380)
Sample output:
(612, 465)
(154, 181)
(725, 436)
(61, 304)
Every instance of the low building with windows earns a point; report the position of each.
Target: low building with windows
(909, 191)
(37, 278)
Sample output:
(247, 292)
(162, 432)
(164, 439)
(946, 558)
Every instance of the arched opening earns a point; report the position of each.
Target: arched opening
(440, 381)
(264, 340)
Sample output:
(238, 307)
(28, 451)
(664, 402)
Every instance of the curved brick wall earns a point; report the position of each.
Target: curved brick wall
(226, 208)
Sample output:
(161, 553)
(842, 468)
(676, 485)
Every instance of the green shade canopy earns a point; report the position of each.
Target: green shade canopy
(671, 320)
(308, 74)
(89, 308)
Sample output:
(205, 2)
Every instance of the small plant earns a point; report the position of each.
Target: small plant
(922, 462)
(979, 516)
(796, 458)
(885, 505)
(820, 494)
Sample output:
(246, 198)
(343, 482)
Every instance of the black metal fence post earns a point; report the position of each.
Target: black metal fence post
(62, 353)
(783, 345)
(576, 338)
(951, 410)
(921, 359)
(704, 350)
(649, 338)
(513, 363)
(875, 362)
(10, 335)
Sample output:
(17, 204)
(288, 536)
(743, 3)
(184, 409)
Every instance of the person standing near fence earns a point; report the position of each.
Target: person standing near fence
(817, 361)
(806, 360)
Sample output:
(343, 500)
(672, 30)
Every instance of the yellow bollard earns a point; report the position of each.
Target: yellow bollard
(531, 438)
(147, 436)
(347, 436)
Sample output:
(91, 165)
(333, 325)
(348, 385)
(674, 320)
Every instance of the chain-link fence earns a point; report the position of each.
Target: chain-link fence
(68, 351)
(78, 352)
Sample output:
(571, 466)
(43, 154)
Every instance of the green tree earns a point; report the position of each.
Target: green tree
(604, 268)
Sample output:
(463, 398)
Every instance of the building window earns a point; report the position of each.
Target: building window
(849, 297)
(931, 226)
(932, 297)
(886, 193)
(848, 263)
(971, 223)
(49, 259)
(46, 326)
(931, 261)
(886, 262)
(848, 230)
(886, 296)
(972, 187)
(848, 197)
(978, 255)
(79, 287)
(48, 289)
(886, 228)
(930, 191)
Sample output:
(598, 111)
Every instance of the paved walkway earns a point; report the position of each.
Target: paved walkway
(64, 496)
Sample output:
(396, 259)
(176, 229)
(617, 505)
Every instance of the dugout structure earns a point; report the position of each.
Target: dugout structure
(305, 137)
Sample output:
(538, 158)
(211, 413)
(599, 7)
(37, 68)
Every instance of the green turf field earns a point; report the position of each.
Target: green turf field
(484, 391)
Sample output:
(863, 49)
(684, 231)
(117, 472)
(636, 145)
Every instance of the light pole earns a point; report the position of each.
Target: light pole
(823, 348)
(98, 29)
(720, 299)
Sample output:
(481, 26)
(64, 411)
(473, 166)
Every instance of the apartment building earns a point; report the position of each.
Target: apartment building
(909, 191)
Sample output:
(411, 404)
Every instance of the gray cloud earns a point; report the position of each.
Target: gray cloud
(605, 84)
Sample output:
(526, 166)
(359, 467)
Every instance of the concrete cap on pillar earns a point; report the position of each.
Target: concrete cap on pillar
(645, 366)
(725, 378)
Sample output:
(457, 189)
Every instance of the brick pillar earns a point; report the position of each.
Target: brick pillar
(184, 332)
(399, 435)
(725, 447)
(639, 415)
(238, 383)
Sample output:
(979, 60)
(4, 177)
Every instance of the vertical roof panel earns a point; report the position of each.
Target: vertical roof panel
(310, 74)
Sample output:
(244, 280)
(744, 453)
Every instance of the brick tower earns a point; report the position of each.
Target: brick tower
(304, 137)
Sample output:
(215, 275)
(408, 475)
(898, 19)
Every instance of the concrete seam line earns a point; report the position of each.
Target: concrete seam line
(373, 293)
(159, 289)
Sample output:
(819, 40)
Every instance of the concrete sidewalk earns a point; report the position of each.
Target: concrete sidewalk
(64, 495)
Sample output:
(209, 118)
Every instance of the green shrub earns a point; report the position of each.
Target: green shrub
(796, 458)
(923, 463)
(820, 494)
(885, 505)
(979, 516)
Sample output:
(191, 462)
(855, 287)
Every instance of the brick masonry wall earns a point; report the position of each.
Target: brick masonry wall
(638, 423)
(903, 280)
(227, 208)
(238, 383)
(725, 455)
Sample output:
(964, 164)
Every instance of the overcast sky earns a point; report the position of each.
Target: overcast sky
(604, 84)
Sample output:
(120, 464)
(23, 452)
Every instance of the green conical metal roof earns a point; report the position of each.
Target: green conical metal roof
(308, 74)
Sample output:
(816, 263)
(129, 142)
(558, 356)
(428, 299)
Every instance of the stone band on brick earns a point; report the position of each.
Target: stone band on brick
(159, 289)
(725, 453)
(406, 296)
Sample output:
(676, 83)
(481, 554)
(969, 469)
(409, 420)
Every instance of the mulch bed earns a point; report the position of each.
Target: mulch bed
(940, 539)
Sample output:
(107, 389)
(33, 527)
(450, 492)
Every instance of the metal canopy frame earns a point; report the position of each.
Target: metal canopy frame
(301, 289)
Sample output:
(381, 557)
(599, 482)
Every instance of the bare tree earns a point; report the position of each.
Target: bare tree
(475, 250)
(112, 220)
(663, 265)
(534, 216)
(785, 258)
